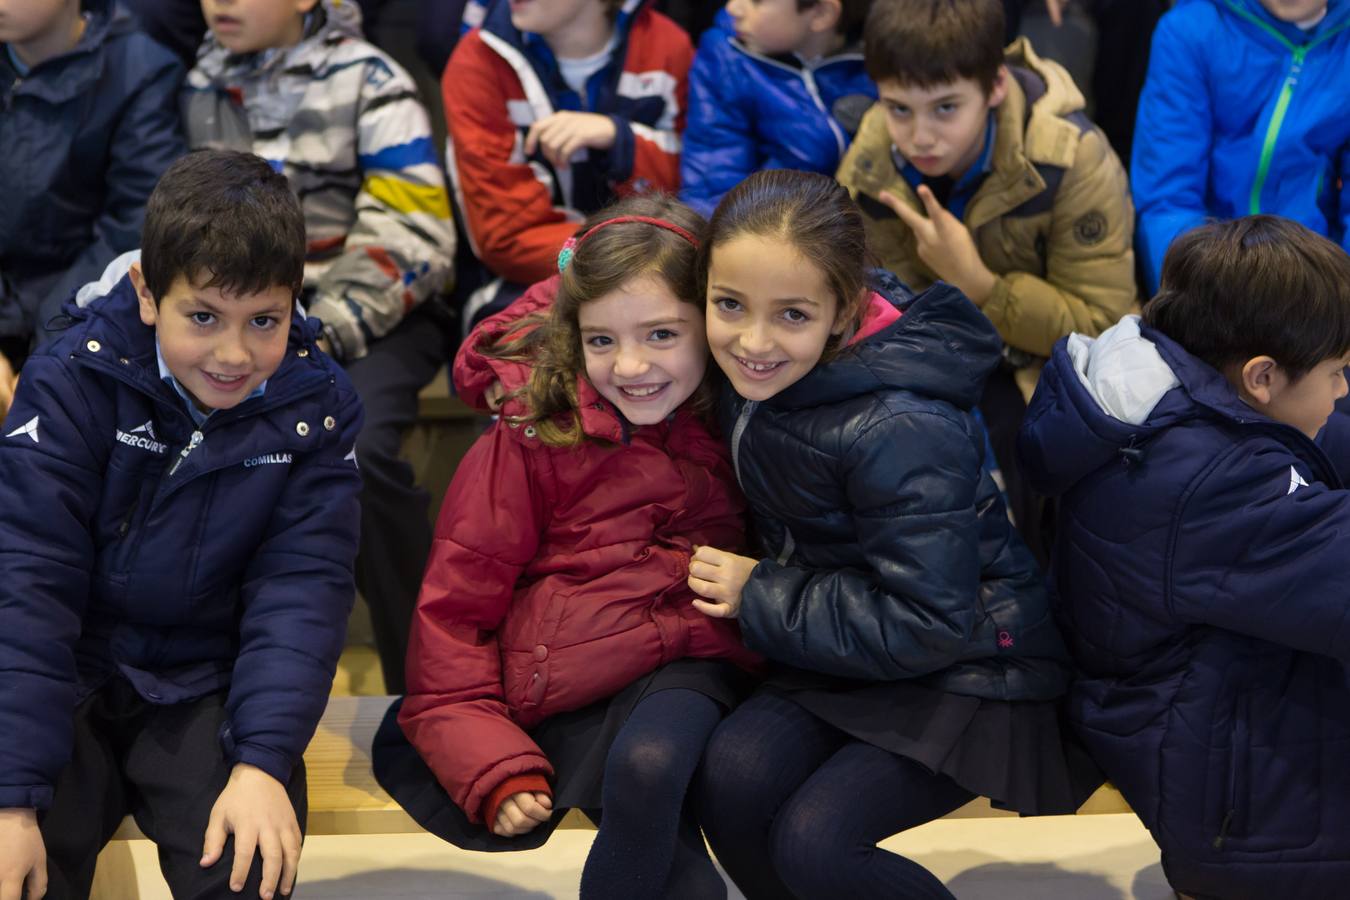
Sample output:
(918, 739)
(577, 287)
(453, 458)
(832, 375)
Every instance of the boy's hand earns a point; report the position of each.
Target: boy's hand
(562, 134)
(522, 812)
(945, 245)
(719, 576)
(255, 809)
(9, 381)
(22, 855)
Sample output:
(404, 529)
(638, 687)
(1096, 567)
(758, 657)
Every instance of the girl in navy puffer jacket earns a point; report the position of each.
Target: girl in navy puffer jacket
(555, 658)
(917, 662)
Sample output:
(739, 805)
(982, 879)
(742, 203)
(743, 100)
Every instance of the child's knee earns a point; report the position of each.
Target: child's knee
(805, 851)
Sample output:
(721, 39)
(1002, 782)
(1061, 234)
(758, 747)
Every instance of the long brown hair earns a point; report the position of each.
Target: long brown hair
(600, 263)
(812, 214)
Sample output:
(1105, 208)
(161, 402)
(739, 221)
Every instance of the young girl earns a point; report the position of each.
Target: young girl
(916, 661)
(556, 659)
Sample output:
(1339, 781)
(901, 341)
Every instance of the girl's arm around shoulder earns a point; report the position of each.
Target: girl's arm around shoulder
(911, 481)
(1259, 547)
(489, 530)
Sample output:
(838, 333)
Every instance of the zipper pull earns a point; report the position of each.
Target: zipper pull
(1223, 830)
(192, 445)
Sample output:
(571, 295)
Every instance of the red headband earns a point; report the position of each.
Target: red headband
(569, 247)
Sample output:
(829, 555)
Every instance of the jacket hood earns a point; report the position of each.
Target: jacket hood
(81, 65)
(1060, 96)
(1338, 16)
(942, 347)
(331, 19)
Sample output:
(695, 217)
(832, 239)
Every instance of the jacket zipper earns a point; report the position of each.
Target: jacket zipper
(1236, 779)
(736, 434)
(193, 443)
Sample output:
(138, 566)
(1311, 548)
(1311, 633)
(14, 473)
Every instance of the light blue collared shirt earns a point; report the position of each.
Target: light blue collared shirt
(198, 417)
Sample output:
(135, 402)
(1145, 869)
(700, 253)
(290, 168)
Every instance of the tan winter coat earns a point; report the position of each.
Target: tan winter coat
(1053, 219)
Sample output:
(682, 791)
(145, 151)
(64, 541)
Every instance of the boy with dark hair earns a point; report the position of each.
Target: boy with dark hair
(1200, 564)
(1244, 111)
(90, 122)
(776, 84)
(979, 168)
(178, 520)
(295, 83)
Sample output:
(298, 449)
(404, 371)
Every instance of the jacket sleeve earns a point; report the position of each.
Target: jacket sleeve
(296, 595)
(455, 712)
(147, 138)
(1258, 553)
(1089, 281)
(473, 373)
(50, 484)
(654, 150)
(1169, 161)
(913, 610)
(401, 248)
(719, 144)
(1344, 175)
(508, 212)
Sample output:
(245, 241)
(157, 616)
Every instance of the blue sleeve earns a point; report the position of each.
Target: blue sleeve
(719, 140)
(147, 138)
(297, 593)
(1170, 159)
(50, 483)
(1343, 174)
(913, 610)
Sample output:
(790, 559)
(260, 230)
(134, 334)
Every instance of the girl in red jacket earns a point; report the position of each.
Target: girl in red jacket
(556, 659)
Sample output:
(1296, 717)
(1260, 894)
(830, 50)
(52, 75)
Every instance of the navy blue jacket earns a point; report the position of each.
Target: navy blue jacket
(84, 137)
(749, 112)
(890, 553)
(133, 545)
(1200, 581)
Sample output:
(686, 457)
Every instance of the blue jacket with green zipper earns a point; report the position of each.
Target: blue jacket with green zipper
(1242, 114)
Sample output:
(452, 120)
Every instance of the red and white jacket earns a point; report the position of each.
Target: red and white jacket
(519, 210)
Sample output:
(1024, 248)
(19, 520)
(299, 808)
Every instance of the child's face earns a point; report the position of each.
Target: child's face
(770, 314)
(247, 26)
(24, 20)
(219, 347)
(547, 18)
(940, 130)
(1307, 403)
(771, 27)
(644, 348)
(1295, 10)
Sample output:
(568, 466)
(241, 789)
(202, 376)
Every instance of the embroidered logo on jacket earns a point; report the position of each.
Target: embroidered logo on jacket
(143, 437)
(1295, 481)
(268, 459)
(29, 428)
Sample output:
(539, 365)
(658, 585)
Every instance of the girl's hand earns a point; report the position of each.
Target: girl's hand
(255, 809)
(720, 577)
(522, 812)
(23, 856)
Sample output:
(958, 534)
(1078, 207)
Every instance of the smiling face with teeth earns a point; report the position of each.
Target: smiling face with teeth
(218, 346)
(770, 314)
(644, 348)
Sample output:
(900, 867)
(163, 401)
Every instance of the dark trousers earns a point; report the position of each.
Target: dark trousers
(395, 532)
(794, 807)
(161, 764)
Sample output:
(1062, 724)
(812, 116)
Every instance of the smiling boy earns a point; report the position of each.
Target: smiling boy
(178, 508)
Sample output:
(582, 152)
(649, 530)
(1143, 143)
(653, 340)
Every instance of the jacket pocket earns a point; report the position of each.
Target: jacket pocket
(1233, 816)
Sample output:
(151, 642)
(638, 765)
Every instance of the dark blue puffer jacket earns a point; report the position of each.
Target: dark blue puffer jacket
(749, 112)
(890, 553)
(83, 138)
(1200, 581)
(134, 545)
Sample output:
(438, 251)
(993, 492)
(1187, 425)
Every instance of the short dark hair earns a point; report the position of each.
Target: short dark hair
(812, 214)
(226, 220)
(1256, 286)
(926, 43)
(852, 14)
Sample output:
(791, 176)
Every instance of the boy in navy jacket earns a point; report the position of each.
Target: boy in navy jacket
(1200, 568)
(178, 508)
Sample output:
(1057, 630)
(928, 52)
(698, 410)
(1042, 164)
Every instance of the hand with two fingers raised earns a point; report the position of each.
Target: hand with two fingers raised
(945, 245)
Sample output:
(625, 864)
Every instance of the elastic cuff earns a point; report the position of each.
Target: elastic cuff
(278, 765)
(514, 785)
(29, 796)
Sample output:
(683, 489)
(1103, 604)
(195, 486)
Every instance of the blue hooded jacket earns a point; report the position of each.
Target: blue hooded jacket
(186, 560)
(84, 137)
(749, 112)
(1242, 114)
(890, 553)
(1199, 577)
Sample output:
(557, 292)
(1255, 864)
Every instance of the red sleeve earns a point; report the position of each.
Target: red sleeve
(455, 712)
(515, 227)
(656, 150)
(473, 372)
(513, 785)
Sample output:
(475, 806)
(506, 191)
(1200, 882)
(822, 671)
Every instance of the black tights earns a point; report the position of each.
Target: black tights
(649, 843)
(793, 807)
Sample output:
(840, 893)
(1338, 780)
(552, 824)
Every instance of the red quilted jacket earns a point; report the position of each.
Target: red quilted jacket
(556, 579)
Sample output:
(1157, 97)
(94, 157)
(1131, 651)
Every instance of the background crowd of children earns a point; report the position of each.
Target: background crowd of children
(934, 139)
